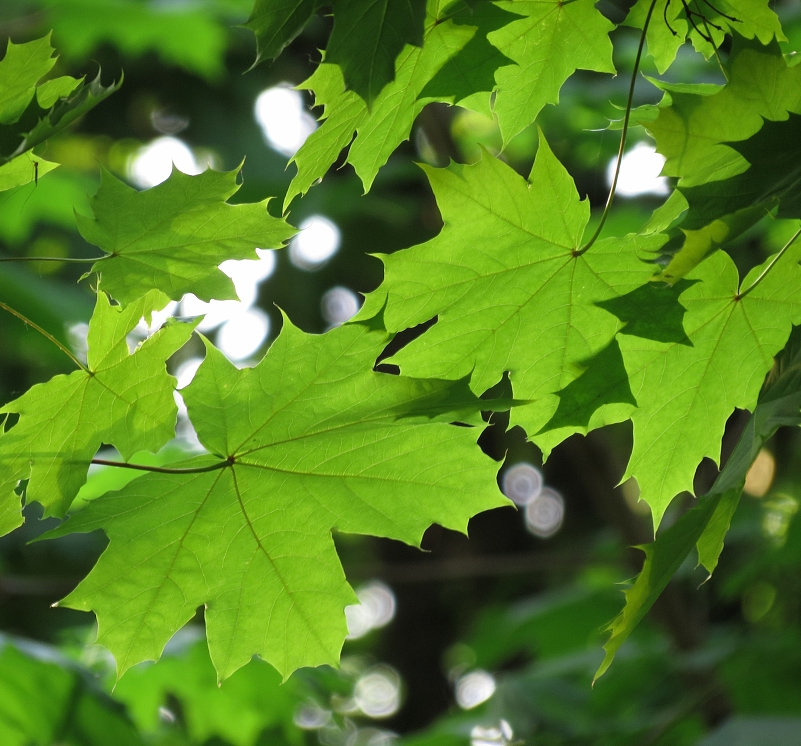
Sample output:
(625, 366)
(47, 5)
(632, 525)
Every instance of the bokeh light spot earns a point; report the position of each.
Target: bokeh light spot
(474, 688)
(283, 119)
(152, 163)
(522, 483)
(639, 172)
(339, 305)
(317, 241)
(545, 514)
(377, 692)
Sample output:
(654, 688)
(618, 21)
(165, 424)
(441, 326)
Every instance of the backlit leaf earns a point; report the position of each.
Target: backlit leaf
(686, 389)
(125, 400)
(706, 524)
(174, 236)
(507, 285)
(367, 38)
(311, 440)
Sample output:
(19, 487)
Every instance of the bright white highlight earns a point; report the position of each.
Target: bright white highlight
(339, 305)
(153, 162)
(522, 483)
(545, 514)
(500, 736)
(376, 609)
(474, 688)
(78, 339)
(143, 330)
(186, 371)
(377, 692)
(246, 274)
(240, 337)
(283, 119)
(639, 172)
(317, 241)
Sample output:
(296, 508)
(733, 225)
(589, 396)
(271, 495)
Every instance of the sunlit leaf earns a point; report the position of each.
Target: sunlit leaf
(510, 290)
(706, 524)
(554, 40)
(124, 399)
(174, 236)
(688, 387)
(670, 26)
(368, 36)
(310, 440)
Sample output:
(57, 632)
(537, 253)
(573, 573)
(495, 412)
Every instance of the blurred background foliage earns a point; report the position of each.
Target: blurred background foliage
(491, 640)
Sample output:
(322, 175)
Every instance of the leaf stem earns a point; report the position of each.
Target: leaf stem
(49, 259)
(624, 133)
(770, 266)
(48, 335)
(165, 469)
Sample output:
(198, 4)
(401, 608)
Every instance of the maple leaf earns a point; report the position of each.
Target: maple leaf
(696, 123)
(508, 284)
(31, 112)
(310, 440)
(669, 27)
(686, 388)
(553, 40)
(121, 399)
(367, 37)
(381, 128)
(276, 23)
(467, 52)
(706, 524)
(173, 237)
(20, 70)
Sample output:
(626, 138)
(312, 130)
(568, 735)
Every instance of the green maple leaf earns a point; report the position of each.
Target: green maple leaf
(368, 36)
(706, 524)
(686, 388)
(310, 440)
(31, 112)
(553, 40)
(696, 124)
(506, 281)
(20, 70)
(121, 399)
(718, 212)
(381, 128)
(276, 23)
(467, 52)
(669, 27)
(173, 237)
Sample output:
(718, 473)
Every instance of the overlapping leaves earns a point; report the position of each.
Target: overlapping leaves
(704, 23)
(308, 441)
(31, 111)
(508, 283)
(733, 149)
(523, 50)
(706, 524)
(123, 399)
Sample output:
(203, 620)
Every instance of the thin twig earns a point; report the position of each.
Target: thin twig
(625, 131)
(770, 266)
(47, 335)
(165, 469)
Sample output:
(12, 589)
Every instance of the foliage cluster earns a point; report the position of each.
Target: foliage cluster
(524, 302)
